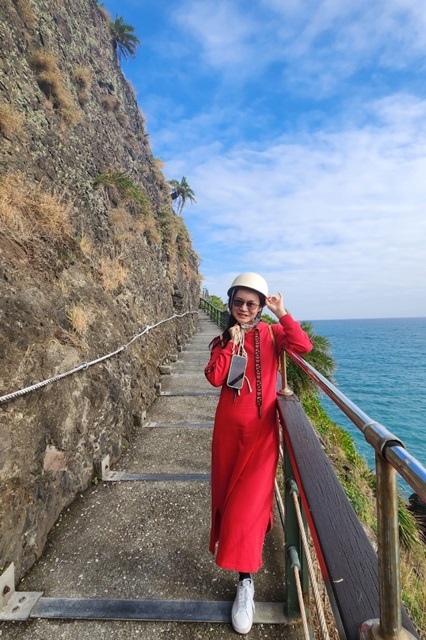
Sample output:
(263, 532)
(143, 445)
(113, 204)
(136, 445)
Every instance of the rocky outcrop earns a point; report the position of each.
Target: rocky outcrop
(91, 252)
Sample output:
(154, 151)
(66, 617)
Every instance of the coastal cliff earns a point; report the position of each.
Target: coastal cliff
(91, 252)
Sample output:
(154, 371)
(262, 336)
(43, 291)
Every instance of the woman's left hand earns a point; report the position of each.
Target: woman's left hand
(275, 303)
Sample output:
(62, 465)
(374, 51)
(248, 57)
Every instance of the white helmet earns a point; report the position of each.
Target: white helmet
(250, 281)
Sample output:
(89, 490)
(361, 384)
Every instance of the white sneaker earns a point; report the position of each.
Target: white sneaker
(243, 607)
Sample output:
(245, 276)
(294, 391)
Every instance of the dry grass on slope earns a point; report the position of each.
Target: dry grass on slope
(51, 81)
(11, 121)
(29, 211)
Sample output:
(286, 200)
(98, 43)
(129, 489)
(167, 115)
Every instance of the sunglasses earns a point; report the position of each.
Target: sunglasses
(240, 303)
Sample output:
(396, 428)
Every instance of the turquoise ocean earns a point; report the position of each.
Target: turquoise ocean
(381, 367)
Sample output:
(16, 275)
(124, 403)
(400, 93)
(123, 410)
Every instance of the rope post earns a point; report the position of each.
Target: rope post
(285, 389)
(293, 540)
(389, 627)
(295, 565)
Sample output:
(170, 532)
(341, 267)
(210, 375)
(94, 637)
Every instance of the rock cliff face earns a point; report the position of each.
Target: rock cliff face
(91, 251)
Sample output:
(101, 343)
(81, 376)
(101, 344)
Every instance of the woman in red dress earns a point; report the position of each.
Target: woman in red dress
(245, 436)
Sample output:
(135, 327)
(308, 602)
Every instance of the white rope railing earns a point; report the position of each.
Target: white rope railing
(310, 564)
(311, 570)
(85, 365)
(295, 564)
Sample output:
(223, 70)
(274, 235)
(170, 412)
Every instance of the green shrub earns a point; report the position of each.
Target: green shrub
(125, 187)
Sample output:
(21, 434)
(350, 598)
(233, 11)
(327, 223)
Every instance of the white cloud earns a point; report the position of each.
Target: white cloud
(339, 214)
(225, 30)
(306, 157)
(315, 45)
(352, 27)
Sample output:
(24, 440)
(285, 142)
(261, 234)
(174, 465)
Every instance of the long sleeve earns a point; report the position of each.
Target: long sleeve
(290, 335)
(217, 368)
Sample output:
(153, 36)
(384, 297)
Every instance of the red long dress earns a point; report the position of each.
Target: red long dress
(246, 444)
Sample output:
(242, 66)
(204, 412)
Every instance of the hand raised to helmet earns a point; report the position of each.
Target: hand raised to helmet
(275, 303)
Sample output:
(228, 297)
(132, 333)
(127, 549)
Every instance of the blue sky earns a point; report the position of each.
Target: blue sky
(301, 128)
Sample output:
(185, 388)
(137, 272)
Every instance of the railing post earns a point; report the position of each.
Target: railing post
(389, 626)
(293, 541)
(285, 389)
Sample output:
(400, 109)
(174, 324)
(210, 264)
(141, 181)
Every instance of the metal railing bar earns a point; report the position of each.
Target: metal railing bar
(382, 440)
(217, 315)
(408, 466)
(388, 552)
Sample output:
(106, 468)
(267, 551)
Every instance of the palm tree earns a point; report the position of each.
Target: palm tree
(123, 37)
(319, 357)
(181, 192)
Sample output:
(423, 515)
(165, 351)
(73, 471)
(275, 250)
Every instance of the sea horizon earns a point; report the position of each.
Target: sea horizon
(373, 318)
(381, 368)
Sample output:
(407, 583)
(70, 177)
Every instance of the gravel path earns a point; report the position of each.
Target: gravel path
(135, 540)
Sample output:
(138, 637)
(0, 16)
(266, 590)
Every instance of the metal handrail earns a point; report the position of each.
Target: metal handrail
(391, 457)
(383, 441)
(219, 316)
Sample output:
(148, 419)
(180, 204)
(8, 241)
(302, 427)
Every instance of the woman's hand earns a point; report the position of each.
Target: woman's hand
(235, 332)
(275, 303)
